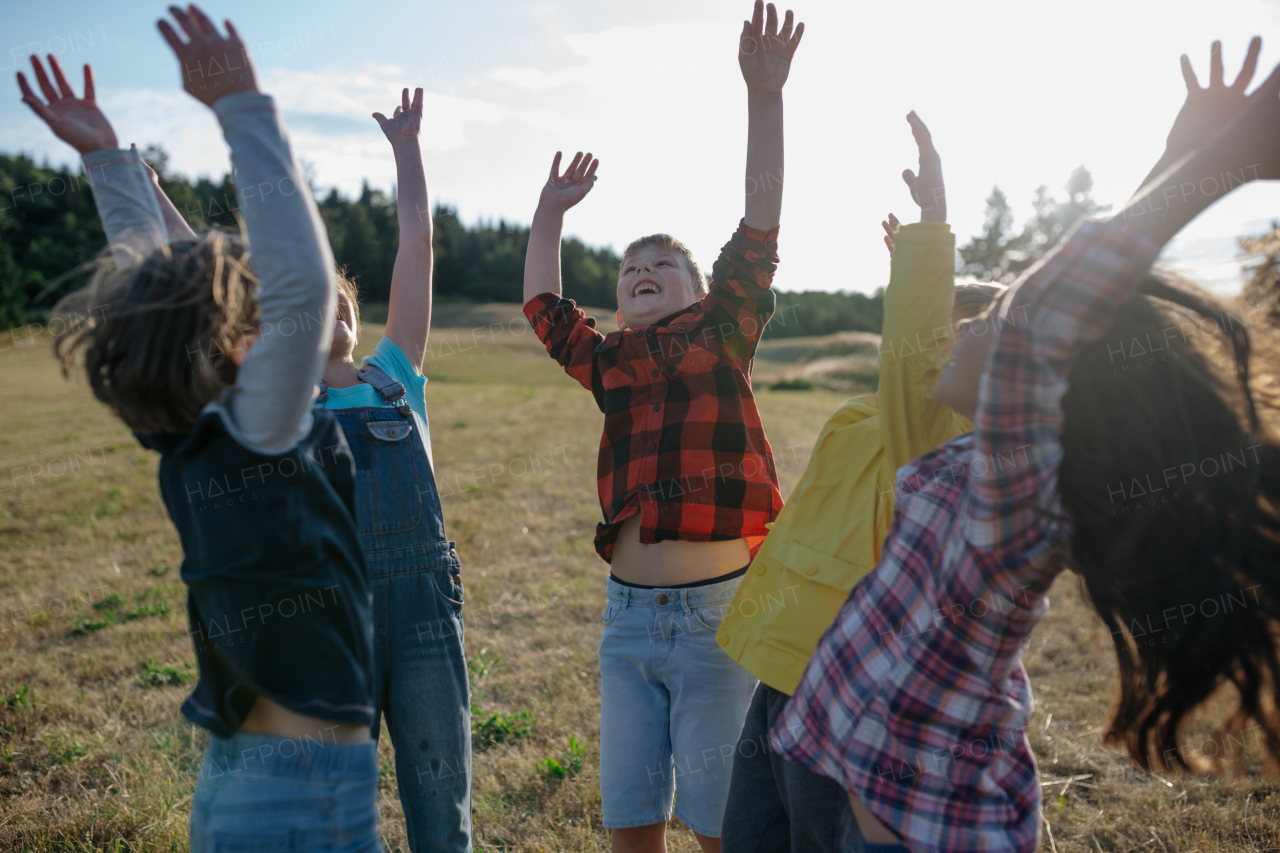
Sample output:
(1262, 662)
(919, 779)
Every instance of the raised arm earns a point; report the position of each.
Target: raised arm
(1069, 300)
(764, 56)
(130, 216)
(173, 220)
(561, 192)
(269, 407)
(917, 314)
(409, 314)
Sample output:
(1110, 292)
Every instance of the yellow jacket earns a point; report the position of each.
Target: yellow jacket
(830, 532)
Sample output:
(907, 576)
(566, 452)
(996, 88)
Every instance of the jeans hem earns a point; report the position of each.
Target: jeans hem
(608, 824)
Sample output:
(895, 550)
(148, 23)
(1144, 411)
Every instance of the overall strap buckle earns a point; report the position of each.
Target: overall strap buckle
(392, 391)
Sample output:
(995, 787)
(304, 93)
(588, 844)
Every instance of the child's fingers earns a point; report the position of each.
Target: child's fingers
(757, 18)
(888, 242)
(893, 220)
(555, 166)
(581, 170)
(50, 94)
(32, 100)
(417, 100)
(591, 173)
(788, 22)
(1250, 65)
(404, 99)
(206, 25)
(171, 36)
(573, 166)
(89, 90)
(795, 39)
(380, 118)
(910, 177)
(1215, 64)
(189, 27)
(63, 86)
(231, 32)
(1189, 74)
(771, 20)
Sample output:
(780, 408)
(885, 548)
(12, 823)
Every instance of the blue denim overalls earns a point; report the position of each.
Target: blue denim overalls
(420, 670)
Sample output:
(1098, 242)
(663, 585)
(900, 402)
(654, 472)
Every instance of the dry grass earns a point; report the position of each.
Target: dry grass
(94, 756)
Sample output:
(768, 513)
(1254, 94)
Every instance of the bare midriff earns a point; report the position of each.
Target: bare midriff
(268, 717)
(673, 562)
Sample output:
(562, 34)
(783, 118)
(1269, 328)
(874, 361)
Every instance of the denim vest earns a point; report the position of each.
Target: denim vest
(277, 591)
(397, 505)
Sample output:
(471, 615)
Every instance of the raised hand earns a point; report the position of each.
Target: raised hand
(562, 192)
(212, 66)
(1207, 108)
(890, 227)
(406, 121)
(927, 188)
(76, 121)
(764, 53)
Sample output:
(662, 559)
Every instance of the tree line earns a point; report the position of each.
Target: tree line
(49, 226)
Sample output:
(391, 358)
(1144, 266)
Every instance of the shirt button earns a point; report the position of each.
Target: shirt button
(661, 599)
(812, 570)
(657, 407)
(760, 569)
(653, 373)
(639, 332)
(646, 488)
(653, 447)
(722, 639)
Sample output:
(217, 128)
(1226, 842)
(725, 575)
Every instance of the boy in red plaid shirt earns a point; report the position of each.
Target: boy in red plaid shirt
(685, 474)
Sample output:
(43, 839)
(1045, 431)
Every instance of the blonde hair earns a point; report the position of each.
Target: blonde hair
(973, 299)
(671, 244)
(348, 288)
(156, 336)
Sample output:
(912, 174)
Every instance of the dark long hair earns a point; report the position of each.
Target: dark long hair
(1172, 485)
(156, 334)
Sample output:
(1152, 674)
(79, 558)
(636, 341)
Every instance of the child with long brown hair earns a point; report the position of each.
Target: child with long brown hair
(916, 700)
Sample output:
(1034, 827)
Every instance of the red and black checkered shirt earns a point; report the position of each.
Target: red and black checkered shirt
(683, 444)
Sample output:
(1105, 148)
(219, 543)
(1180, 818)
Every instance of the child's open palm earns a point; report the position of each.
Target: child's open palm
(764, 53)
(564, 191)
(406, 121)
(76, 121)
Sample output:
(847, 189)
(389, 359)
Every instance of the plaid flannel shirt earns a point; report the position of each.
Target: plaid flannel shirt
(683, 444)
(916, 699)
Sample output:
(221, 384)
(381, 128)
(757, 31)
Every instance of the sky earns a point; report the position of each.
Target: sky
(1016, 94)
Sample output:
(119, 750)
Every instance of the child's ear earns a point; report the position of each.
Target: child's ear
(622, 327)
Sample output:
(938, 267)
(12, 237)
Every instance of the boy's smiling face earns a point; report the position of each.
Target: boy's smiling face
(654, 284)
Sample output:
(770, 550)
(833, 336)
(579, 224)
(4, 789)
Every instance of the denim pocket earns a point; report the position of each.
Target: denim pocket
(611, 611)
(710, 616)
(388, 498)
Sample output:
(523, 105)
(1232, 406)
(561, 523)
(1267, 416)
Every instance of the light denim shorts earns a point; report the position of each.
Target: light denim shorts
(258, 793)
(672, 705)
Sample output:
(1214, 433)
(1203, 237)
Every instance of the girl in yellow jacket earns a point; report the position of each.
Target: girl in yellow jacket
(831, 530)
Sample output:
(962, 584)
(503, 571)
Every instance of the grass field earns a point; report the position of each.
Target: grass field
(95, 659)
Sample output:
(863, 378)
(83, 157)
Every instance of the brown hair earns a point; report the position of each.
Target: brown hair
(973, 299)
(671, 244)
(156, 335)
(1149, 402)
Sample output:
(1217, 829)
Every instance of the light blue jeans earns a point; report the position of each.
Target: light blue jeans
(258, 793)
(672, 705)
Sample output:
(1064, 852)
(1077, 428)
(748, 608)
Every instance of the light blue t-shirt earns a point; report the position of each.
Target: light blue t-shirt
(391, 360)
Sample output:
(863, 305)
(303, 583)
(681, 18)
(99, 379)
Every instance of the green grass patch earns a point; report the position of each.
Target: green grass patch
(566, 765)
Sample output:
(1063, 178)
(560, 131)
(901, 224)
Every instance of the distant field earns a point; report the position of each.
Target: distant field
(95, 659)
